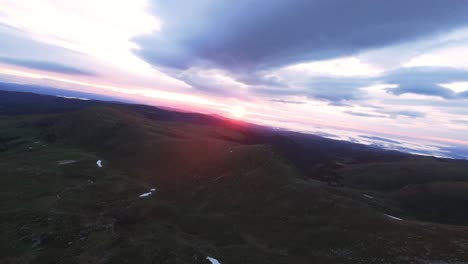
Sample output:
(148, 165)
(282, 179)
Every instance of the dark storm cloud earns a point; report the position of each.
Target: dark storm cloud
(45, 66)
(250, 35)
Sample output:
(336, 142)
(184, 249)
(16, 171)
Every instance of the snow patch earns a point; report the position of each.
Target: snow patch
(368, 196)
(72, 97)
(152, 190)
(146, 194)
(213, 261)
(66, 162)
(99, 163)
(393, 217)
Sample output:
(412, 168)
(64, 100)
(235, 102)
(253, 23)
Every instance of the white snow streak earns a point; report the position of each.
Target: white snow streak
(72, 97)
(213, 261)
(152, 190)
(146, 194)
(66, 162)
(393, 217)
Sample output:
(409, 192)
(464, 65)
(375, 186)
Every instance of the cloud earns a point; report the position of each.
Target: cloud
(101, 29)
(327, 86)
(457, 152)
(382, 113)
(45, 66)
(427, 81)
(211, 81)
(460, 122)
(339, 104)
(407, 113)
(310, 50)
(380, 139)
(335, 89)
(364, 114)
(225, 35)
(423, 89)
(287, 101)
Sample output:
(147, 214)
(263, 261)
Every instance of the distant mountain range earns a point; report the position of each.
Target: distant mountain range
(434, 149)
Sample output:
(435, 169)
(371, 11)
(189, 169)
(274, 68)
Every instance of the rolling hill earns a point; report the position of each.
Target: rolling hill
(103, 182)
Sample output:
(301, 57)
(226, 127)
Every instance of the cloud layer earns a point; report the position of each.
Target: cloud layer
(45, 66)
(245, 35)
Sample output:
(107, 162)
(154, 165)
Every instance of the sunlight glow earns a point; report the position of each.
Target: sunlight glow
(457, 87)
(237, 112)
(105, 89)
(103, 29)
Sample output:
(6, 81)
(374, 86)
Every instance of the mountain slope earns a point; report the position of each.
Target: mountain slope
(227, 190)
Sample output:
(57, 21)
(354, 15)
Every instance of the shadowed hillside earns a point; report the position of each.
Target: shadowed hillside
(178, 187)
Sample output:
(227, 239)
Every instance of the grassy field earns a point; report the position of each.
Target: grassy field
(214, 196)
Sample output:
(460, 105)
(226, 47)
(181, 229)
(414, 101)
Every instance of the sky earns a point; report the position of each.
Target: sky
(361, 70)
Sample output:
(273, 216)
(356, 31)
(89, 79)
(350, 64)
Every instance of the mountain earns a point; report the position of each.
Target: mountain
(105, 182)
(46, 90)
